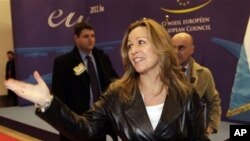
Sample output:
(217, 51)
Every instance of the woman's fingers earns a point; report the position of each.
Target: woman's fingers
(36, 93)
(15, 85)
(22, 89)
(38, 77)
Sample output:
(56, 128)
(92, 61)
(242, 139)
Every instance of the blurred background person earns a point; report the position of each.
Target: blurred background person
(10, 72)
(201, 78)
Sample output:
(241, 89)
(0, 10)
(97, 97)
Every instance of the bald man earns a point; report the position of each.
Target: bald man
(201, 78)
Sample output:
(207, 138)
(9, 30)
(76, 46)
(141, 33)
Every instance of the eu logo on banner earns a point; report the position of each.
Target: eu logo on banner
(239, 132)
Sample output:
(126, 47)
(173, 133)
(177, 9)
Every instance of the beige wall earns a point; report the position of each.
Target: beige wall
(6, 40)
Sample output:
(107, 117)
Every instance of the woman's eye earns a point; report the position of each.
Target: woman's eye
(141, 42)
(129, 46)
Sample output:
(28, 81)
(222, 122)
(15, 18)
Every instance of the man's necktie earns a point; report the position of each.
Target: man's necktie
(93, 79)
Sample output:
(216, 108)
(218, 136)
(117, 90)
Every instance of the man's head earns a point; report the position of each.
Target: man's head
(84, 36)
(10, 55)
(184, 46)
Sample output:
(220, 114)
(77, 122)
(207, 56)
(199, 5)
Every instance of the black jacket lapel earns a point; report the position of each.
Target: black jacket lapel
(172, 109)
(138, 115)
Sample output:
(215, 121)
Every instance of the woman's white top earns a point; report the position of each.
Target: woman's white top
(154, 113)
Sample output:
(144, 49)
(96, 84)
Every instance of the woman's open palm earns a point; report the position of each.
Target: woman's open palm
(37, 93)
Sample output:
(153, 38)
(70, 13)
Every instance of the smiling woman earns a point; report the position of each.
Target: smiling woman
(6, 39)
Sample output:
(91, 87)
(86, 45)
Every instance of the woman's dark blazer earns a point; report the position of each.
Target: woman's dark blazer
(130, 120)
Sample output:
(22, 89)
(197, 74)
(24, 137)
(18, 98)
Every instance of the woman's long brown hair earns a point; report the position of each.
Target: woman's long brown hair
(170, 74)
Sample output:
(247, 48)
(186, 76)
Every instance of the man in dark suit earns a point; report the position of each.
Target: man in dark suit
(10, 72)
(72, 81)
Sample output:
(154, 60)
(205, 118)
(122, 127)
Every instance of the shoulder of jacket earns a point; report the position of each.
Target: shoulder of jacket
(199, 67)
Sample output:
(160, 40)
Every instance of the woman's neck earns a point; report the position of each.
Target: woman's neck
(150, 84)
(153, 90)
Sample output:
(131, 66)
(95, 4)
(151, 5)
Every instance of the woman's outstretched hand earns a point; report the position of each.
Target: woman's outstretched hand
(36, 93)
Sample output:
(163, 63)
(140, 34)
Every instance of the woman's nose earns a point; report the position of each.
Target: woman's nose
(134, 49)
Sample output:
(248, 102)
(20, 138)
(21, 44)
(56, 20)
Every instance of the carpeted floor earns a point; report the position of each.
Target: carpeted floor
(5, 137)
(21, 119)
(10, 134)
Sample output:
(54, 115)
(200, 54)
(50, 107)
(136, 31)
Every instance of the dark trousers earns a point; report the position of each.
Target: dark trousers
(12, 97)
